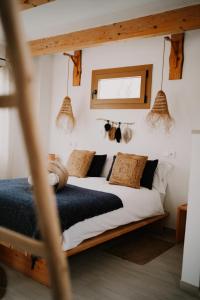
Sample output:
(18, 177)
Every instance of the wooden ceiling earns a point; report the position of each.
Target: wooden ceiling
(174, 21)
(27, 4)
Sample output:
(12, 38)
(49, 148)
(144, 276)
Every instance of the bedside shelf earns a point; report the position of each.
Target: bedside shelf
(180, 222)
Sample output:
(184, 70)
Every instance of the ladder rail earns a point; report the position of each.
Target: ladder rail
(44, 198)
(22, 243)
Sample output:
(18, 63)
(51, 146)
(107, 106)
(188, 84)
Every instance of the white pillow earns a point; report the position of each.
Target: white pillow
(161, 176)
(107, 166)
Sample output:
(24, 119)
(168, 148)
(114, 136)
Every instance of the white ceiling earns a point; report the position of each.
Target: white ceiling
(62, 16)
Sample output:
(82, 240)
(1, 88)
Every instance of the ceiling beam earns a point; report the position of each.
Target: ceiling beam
(26, 4)
(174, 21)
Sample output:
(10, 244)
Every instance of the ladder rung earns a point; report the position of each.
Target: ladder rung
(21, 242)
(7, 101)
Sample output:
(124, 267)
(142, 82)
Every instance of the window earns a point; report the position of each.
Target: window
(128, 87)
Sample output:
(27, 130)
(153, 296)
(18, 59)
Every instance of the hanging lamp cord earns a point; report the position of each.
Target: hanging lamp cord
(67, 76)
(163, 63)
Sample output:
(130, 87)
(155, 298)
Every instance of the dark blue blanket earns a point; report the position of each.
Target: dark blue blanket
(74, 204)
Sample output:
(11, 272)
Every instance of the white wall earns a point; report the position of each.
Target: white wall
(191, 257)
(183, 99)
(43, 83)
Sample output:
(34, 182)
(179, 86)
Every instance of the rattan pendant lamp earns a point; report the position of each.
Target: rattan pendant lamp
(65, 118)
(159, 113)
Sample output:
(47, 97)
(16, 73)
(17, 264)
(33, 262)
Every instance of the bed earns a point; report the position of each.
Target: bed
(138, 204)
(140, 208)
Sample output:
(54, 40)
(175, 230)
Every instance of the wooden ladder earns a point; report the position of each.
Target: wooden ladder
(45, 203)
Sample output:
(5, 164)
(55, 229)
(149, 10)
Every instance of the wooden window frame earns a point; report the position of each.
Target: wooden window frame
(145, 71)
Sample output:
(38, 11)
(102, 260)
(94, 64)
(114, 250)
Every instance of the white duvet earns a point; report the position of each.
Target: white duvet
(137, 204)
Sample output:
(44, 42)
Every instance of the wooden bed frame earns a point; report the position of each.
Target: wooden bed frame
(22, 262)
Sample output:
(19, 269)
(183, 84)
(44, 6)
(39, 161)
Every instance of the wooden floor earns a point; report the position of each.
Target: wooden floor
(97, 275)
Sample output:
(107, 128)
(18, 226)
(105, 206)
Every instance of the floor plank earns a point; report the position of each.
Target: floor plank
(97, 275)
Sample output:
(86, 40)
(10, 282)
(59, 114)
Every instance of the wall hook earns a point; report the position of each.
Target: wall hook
(77, 60)
(176, 55)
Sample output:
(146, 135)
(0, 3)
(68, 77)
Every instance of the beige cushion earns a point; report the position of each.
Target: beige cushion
(128, 169)
(79, 162)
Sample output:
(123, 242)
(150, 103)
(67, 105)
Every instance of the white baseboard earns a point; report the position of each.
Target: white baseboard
(191, 289)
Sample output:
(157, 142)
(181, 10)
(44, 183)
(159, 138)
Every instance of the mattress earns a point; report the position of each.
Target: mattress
(138, 204)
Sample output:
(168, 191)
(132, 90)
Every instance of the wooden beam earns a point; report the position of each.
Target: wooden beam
(174, 21)
(26, 4)
(176, 56)
(22, 263)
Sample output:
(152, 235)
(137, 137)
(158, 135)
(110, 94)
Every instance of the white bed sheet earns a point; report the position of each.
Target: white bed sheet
(137, 205)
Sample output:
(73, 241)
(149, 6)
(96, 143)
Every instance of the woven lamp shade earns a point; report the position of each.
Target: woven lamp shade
(160, 112)
(65, 118)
